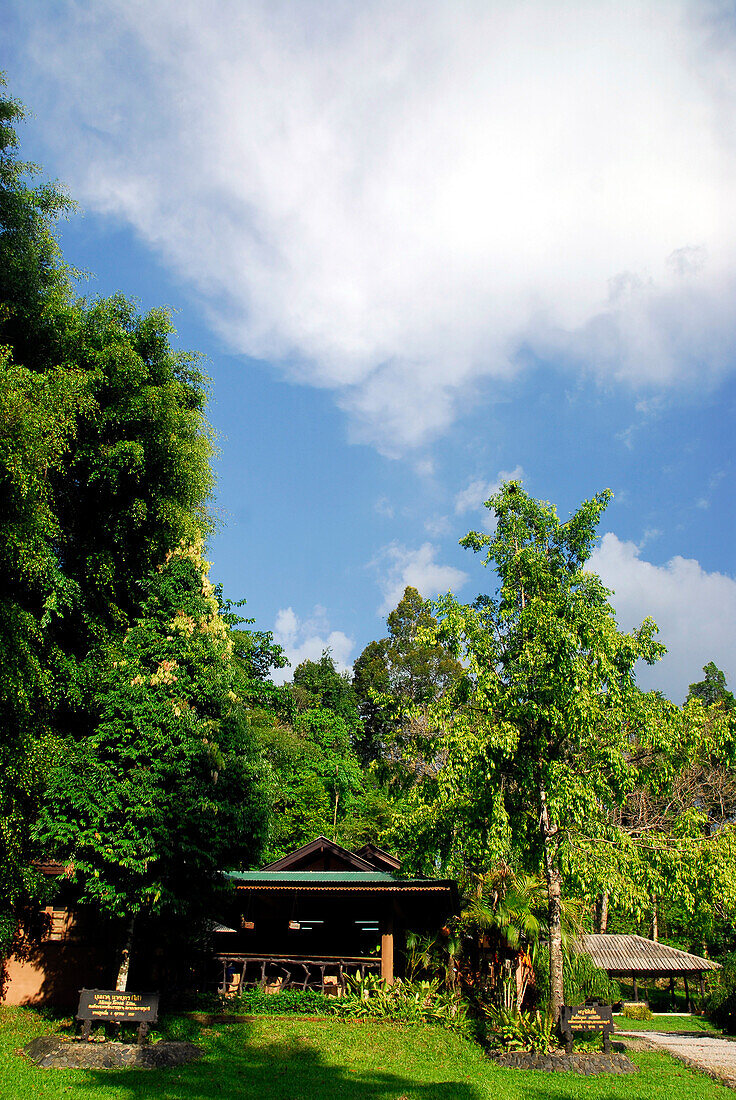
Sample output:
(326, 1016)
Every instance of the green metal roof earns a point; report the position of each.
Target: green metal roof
(337, 878)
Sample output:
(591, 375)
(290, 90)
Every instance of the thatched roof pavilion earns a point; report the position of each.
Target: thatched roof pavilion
(636, 957)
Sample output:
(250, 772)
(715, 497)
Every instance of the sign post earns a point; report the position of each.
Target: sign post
(108, 1005)
(593, 1017)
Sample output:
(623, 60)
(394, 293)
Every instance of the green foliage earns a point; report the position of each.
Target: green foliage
(712, 690)
(406, 1001)
(507, 904)
(720, 1006)
(319, 787)
(671, 844)
(516, 1030)
(37, 418)
(317, 685)
(104, 467)
(546, 676)
(583, 980)
(537, 732)
(167, 790)
(394, 675)
(254, 1002)
(631, 1010)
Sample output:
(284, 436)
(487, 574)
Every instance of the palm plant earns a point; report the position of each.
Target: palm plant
(439, 955)
(493, 944)
(509, 905)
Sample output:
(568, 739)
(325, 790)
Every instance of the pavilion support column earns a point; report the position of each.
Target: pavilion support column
(673, 999)
(387, 949)
(702, 991)
(688, 1005)
(636, 987)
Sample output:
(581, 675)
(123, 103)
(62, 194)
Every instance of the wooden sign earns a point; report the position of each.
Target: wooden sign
(110, 1006)
(593, 1017)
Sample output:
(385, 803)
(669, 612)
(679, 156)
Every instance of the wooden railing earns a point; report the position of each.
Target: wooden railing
(326, 973)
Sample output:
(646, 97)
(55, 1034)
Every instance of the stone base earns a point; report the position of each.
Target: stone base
(62, 1053)
(559, 1062)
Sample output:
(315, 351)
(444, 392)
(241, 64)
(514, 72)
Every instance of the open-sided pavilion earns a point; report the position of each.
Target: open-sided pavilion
(638, 958)
(321, 913)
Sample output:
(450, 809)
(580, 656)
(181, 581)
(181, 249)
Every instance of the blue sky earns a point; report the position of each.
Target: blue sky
(423, 246)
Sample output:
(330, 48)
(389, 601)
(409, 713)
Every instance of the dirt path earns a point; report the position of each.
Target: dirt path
(717, 1057)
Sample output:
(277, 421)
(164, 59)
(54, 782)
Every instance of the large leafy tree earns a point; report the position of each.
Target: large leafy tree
(712, 690)
(539, 726)
(319, 784)
(169, 789)
(38, 414)
(104, 467)
(394, 679)
(319, 684)
(667, 865)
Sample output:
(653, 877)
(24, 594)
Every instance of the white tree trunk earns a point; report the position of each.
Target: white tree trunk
(122, 982)
(554, 894)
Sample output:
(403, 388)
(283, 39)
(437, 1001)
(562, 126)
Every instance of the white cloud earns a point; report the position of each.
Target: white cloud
(437, 526)
(713, 482)
(391, 199)
(383, 507)
(473, 497)
(399, 566)
(694, 610)
(424, 467)
(650, 535)
(307, 639)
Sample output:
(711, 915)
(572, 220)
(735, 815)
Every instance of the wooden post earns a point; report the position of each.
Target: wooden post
(702, 990)
(688, 1005)
(636, 987)
(387, 950)
(673, 999)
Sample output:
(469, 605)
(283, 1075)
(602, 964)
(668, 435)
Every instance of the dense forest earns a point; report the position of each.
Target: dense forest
(145, 745)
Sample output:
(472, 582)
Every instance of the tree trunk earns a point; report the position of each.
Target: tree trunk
(122, 982)
(655, 921)
(603, 912)
(554, 893)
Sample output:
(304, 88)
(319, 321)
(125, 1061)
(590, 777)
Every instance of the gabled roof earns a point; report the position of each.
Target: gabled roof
(636, 955)
(382, 861)
(295, 861)
(268, 879)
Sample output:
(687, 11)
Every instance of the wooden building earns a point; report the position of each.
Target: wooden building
(321, 913)
(638, 958)
(307, 920)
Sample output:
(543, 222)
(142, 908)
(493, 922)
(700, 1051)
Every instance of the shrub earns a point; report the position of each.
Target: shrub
(634, 1010)
(409, 1002)
(516, 1030)
(254, 1002)
(720, 1005)
(583, 980)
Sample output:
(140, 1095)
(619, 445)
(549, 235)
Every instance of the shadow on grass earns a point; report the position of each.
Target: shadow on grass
(294, 1068)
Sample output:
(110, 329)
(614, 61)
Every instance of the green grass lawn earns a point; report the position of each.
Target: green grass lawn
(667, 1023)
(297, 1059)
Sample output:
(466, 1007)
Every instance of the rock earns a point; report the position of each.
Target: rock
(61, 1053)
(586, 1065)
